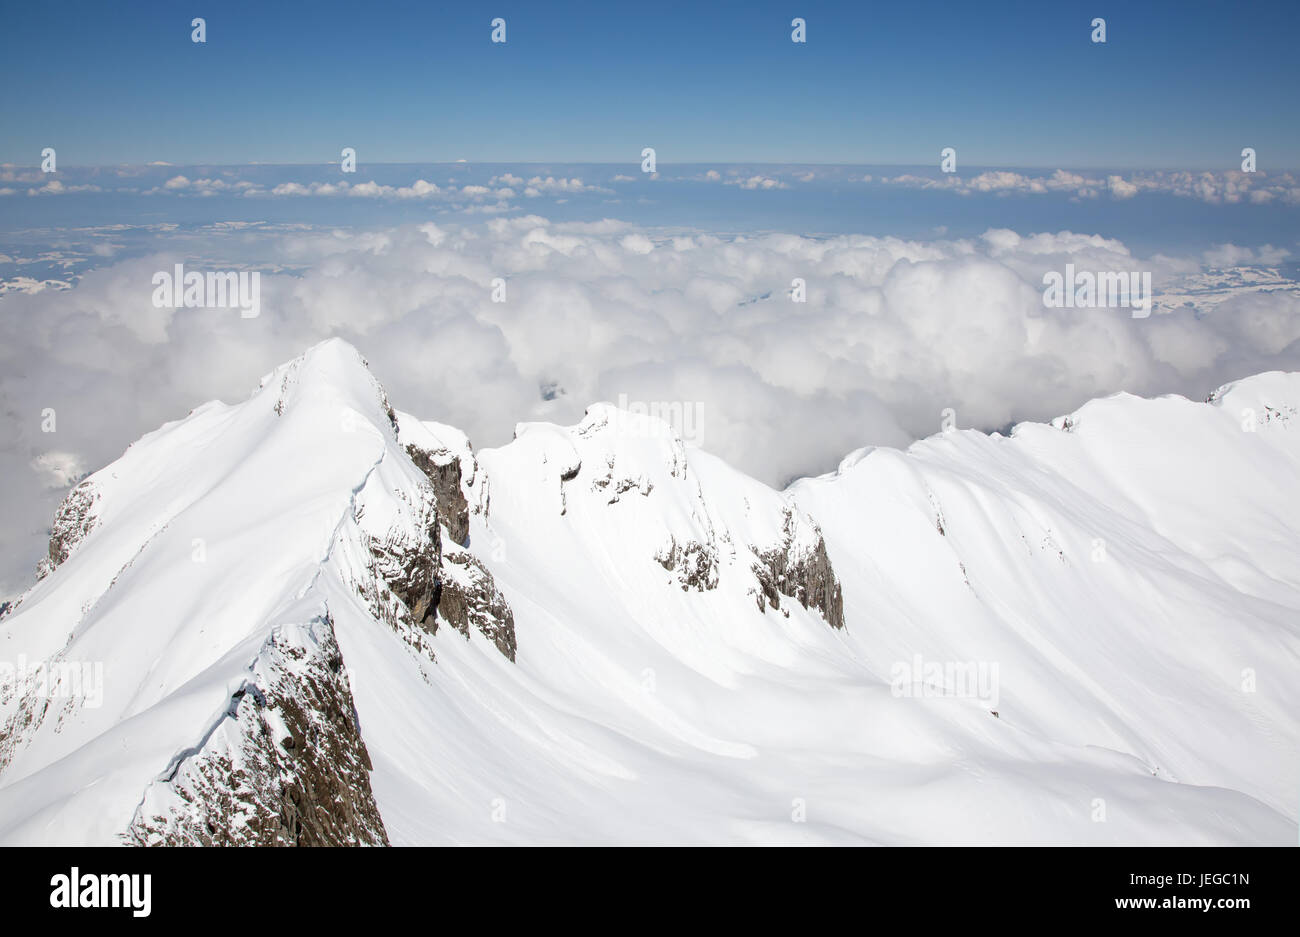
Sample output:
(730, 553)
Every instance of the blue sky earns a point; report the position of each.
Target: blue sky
(775, 161)
(1177, 85)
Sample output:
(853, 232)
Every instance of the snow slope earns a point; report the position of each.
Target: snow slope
(648, 646)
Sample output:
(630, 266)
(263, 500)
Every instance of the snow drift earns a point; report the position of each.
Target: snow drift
(321, 621)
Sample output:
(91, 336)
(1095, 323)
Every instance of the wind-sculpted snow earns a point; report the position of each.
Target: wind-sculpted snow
(1132, 570)
(1085, 632)
(204, 534)
(628, 487)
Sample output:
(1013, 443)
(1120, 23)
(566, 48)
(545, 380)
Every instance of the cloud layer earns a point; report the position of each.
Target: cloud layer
(1220, 187)
(892, 333)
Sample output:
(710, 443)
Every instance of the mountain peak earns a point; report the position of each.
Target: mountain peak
(264, 589)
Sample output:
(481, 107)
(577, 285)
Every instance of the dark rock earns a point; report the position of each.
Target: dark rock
(805, 576)
(410, 570)
(695, 563)
(444, 473)
(74, 519)
(241, 788)
(470, 598)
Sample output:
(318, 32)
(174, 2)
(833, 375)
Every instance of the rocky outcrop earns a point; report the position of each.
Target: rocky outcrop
(402, 582)
(695, 564)
(470, 599)
(285, 765)
(415, 584)
(614, 484)
(443, 470)
(800, 571)
(74, 519)
(31, 711)
(408, 564)
(466, 596)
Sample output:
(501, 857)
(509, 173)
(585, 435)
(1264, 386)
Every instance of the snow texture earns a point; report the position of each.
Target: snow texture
(649, 646)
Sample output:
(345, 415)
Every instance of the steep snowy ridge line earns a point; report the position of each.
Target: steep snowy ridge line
(349, 513)
(168, 774)
(1084, 507)
(284, 765)
(1103, 565)
(700, 658)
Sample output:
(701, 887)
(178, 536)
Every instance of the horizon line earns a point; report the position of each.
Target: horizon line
(159, 164)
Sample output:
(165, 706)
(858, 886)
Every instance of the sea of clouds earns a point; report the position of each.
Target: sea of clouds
(893, 332)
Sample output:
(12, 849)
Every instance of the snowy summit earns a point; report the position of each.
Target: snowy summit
(310, 618)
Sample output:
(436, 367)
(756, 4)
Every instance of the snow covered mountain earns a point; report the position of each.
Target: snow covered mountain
(309, 618)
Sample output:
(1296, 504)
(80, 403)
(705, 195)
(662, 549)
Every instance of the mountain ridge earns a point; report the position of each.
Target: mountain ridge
(635, 617)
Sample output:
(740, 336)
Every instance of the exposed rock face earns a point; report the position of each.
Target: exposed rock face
(50, 690)
(695, 563)
(285, 765)
(567, 474)
(409, 565)
(470, 598)
(615, 485)
(444, 473)
(74, 519)
(31, 711)
(430, 584)
(800, 572)
(465, 594)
